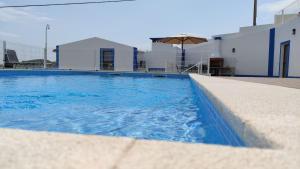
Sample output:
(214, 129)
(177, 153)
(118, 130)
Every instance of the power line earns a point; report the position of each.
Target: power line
(64, 4)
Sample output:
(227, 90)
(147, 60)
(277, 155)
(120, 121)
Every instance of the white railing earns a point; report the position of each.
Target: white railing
(199, 66)
(290, 11)
(293, 8)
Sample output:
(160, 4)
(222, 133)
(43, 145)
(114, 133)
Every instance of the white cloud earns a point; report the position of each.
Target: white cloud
(8, 34)
(273, 7)
(20, 15)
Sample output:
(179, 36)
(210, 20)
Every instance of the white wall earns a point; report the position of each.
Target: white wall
(162, 56)
(252, 53)
(283, 34)
(85, 55)
(252, 50)
(204, 50)
(258, 28)
(278, 19)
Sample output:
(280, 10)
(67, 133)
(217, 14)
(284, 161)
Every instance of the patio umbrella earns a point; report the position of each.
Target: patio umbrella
(181, 39)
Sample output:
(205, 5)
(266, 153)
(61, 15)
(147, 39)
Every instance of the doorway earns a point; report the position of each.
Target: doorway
(284, 59)
(107, 57)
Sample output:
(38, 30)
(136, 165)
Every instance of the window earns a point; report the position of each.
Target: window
(233, 50)
(107, 59)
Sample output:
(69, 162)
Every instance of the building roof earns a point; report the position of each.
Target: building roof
(97, 39)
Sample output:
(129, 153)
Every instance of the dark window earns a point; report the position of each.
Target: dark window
(233, 50)
(294, 31)
(107, 62)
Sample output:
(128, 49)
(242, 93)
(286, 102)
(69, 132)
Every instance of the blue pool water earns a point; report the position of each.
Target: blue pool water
(155, 108)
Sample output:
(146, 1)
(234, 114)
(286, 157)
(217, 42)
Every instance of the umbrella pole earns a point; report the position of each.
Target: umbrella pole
(182, 56)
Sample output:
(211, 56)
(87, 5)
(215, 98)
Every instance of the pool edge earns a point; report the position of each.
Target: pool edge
(90, 72)
(249, 136)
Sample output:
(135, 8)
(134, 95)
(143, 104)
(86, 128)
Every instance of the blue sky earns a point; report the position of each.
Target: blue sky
(131, 23)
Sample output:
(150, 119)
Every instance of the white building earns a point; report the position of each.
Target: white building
(96, 54)
(287, 49)
(246, 51)
(265, 50)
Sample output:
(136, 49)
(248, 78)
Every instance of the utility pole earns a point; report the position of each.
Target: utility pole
(4, 53)
(46, 46)
(255, 13)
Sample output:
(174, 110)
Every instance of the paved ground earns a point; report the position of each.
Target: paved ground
(291, 83)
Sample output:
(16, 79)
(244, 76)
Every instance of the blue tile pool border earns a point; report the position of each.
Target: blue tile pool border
(233, 137)
(41, 72)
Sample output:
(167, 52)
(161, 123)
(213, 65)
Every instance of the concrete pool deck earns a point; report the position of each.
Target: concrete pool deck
(270, 115)
(285, 82)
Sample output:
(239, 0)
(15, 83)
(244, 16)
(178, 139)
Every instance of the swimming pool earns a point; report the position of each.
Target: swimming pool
(170, 108)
